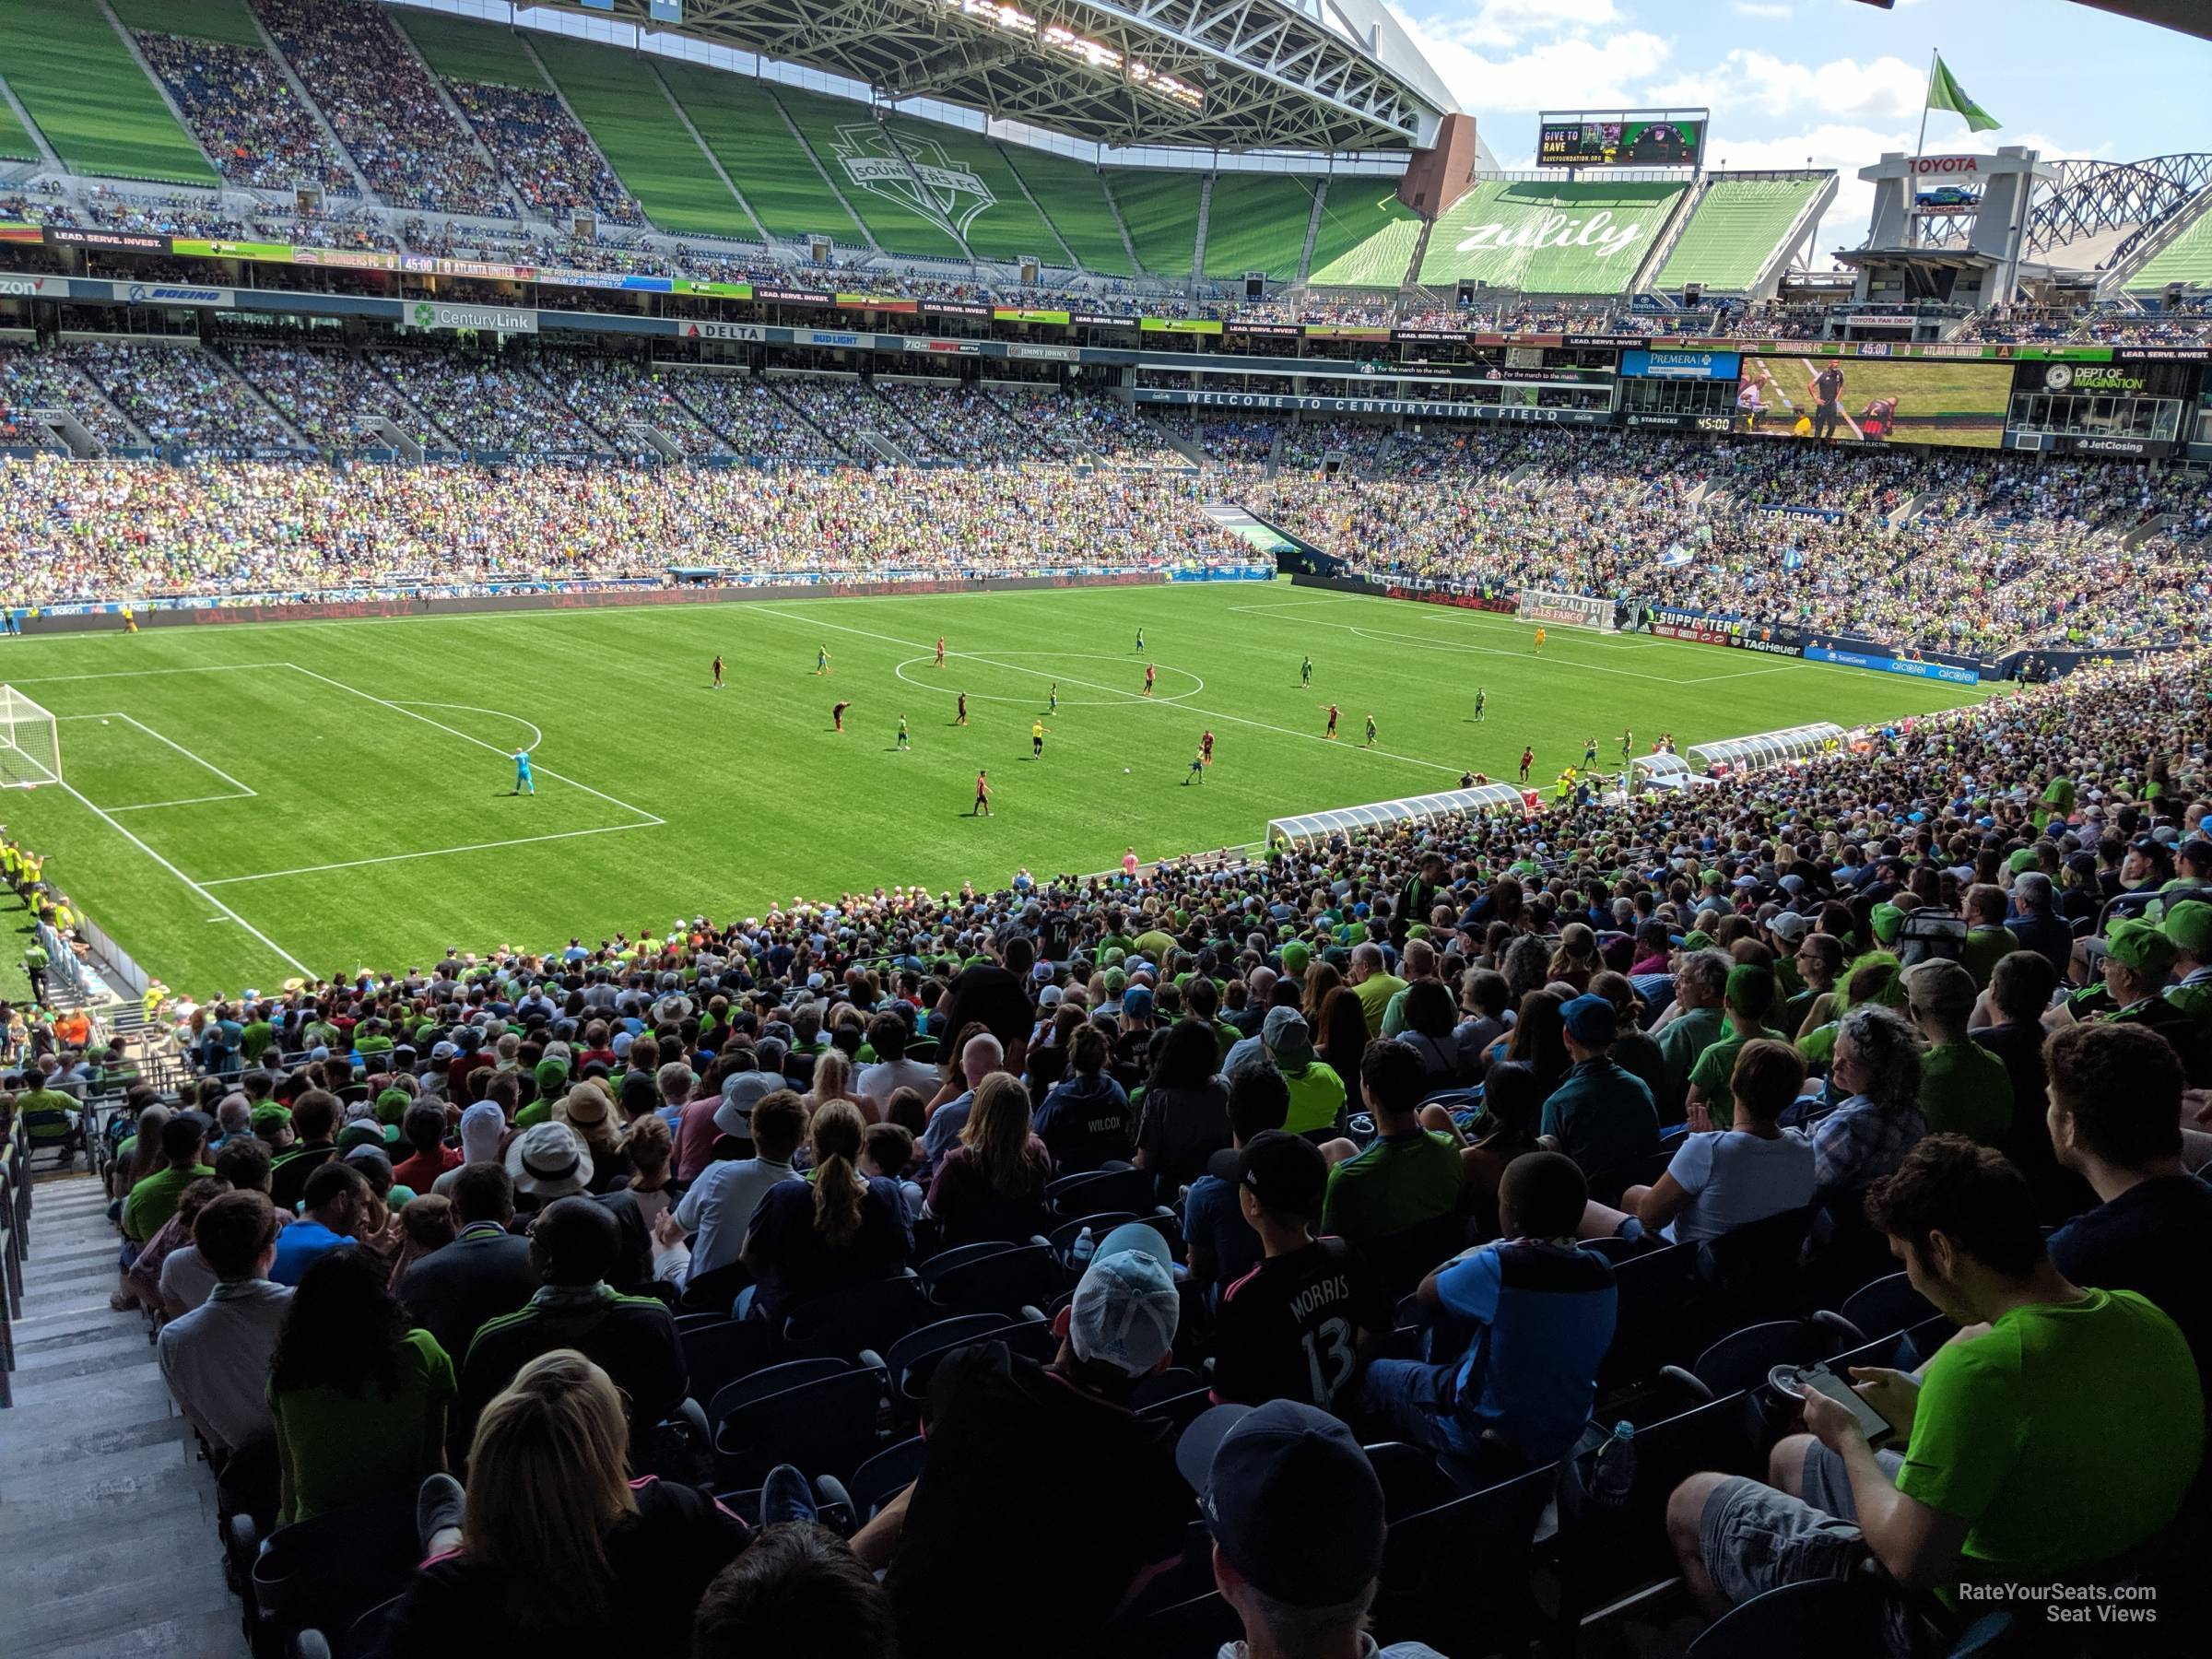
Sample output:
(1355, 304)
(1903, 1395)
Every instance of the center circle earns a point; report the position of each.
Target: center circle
(1044, 678)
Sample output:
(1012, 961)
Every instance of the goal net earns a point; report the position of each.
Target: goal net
(1565, 610)
(31, 750)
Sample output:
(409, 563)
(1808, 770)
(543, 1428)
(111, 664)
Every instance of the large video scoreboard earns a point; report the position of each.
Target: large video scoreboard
(1622, 138)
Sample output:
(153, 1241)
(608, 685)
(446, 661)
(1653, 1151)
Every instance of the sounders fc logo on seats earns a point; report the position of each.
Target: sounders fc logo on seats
(916, 173)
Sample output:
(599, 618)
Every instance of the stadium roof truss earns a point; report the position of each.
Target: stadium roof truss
(2086, 198)
(1231, 75)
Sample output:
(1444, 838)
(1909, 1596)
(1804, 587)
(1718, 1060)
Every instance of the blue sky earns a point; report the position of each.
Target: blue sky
(1828, 80)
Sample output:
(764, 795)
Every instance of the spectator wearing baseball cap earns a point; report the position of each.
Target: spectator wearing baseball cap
(1600, 1114)
(1964, 1088)
(1746, 999)
(1300, 1326)
(2138, 960)
(1542, 1311)
(1317, 1093)
(1296, 1515)
(1044, 1500)
(2189, 928)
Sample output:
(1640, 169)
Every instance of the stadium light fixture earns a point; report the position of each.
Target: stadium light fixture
(1066, 43)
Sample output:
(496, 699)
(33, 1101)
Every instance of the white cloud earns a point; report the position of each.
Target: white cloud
(1577, 72)
(1750, 79)
(1506, 23)
(1761, 8)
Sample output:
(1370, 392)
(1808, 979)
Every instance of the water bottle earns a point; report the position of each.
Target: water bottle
(1615, 1471)
(1079, 1251)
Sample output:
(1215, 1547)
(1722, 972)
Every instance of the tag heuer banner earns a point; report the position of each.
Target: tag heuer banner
(488, 319)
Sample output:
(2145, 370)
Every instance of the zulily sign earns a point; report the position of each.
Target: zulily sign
(1598, 233)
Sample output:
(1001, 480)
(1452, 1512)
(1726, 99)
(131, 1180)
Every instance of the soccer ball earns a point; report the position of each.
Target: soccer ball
(1125, 771)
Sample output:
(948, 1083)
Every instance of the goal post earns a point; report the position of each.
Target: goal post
(31, 746)
(1556, 609)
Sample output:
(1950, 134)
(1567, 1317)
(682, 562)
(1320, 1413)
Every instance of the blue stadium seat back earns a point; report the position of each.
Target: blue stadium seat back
(718, 1351)
(769, 1380)
(1412, 1481)
(885, 1475)
(1193, 1629)
(328, 1571)
(1821, 1618)
(1003, 1282)
(937, 1336)
(825, 1428)
(1098, 1223)
(370, 1635)
(1614, 1250)
(1031, 1340)
(1887, 1305)
(1651, 1293)
(1169, 1385)
(1456, 1575)
(1094, 1191)
(1179, 1411)
(1758, 1269)
(1917, 1346)
(945, 1261)
(1404, 1259)
(1605, 1554)
(1742, 1359)
(1190, 1578)
(860, 1316)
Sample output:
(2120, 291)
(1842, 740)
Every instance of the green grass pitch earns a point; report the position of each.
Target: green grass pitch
(250, 801)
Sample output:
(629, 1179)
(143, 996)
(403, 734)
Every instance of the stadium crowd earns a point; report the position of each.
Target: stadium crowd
(1997, 551)
(546, 158)
(246, 115)
(1446, 1136)
(384, 107)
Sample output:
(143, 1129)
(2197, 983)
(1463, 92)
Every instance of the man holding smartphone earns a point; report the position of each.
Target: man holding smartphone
(2019, 1464)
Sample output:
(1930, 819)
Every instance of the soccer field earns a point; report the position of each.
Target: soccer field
(247, 802)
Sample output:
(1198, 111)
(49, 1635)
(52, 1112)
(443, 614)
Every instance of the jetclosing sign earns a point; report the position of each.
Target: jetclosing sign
(490, 319)
(1638, 363)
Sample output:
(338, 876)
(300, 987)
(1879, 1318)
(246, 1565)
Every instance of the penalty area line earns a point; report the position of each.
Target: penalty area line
(356, 863)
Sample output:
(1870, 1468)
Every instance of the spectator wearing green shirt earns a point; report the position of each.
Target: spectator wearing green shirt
(154, 1200)
(1749, 994)
(1420, 962)
(1317, 1093)
(1694, 1021)
(1988, 940)
(1601, 1115)
(2061, 1431)
(1964, 1088)
(1407, 1175)
(1373, 984)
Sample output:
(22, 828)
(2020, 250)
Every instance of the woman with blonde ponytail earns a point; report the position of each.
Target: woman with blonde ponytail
(833, 1229)
(553, 1546)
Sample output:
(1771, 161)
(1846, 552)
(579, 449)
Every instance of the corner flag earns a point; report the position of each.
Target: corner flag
(1946, 93)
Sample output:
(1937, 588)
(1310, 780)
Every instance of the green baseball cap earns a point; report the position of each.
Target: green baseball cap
(2022, 860)
(1697, 938)
(269, 1115)
(2140, 946)
(392, 1105)
(1751, 990)
(1295, 956)
(2190, 927)
(1888, 918)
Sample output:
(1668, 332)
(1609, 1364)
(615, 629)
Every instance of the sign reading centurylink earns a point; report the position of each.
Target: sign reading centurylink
(492, 319)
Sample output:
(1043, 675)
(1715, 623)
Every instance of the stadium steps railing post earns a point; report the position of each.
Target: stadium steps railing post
(224, 366)
(461, 120)
(1663, 247)
(828, 184)
(314, 110)
(160, 87)
(707, 149)
(1206, 204)
(561, 98)
(46, 156)
(1067, 247)
(1120, 224)
(1305, 254)
(1802, 231)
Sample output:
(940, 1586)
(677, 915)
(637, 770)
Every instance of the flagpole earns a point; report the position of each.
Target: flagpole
(1919, 145)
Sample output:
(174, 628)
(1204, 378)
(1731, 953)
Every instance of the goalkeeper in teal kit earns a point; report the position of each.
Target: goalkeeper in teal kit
(524, 785)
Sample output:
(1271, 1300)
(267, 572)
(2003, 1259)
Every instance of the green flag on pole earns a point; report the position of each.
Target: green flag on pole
(1946, 93)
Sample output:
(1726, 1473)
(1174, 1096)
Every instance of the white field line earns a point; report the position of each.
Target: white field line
(104, 817)
(243, 793)
(1430, 643)
(48, 680)
(812, 620)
